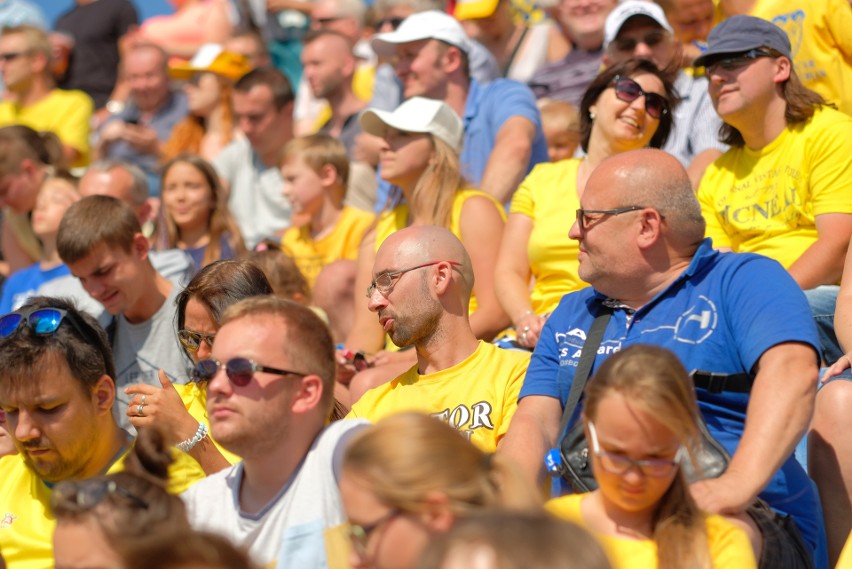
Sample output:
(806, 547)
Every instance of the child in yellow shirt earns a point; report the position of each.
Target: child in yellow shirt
(315, 170)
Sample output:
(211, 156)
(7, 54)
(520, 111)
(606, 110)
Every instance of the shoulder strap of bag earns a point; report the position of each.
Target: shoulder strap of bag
(584, 366)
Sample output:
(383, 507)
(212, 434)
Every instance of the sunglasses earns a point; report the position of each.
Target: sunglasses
(240, 371)
(735, 61)
(628, 90)
(82, 495)
(651, 39)
(42, 321)
(192, 340)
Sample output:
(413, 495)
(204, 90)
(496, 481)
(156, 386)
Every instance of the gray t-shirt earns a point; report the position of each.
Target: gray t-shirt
(291, 527)
(141, 350)
(256, 201)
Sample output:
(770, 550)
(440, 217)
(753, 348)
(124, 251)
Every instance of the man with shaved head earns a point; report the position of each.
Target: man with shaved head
(422, 280)
(738, 322)
(328, 66)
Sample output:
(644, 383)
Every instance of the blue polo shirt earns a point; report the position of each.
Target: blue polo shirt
(720, 315)
(486, 109)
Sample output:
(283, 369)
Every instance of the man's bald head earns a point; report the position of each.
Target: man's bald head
(120, 180)
(427, 243)
(652, 178)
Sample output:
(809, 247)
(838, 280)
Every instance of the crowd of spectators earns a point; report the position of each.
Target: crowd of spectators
(603, 245)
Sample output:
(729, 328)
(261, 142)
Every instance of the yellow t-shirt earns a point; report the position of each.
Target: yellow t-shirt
(729, 545)
(393, 220)
(548, 196)
(65, 113)
(342, 242)
(477, 396)
(194, 396)
(766, 201)
(820, 33)
(26, 522)
(845, 561)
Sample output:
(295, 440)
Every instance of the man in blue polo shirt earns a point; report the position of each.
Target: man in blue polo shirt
(503, 138)
(642, 248)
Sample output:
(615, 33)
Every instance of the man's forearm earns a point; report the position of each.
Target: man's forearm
(532, 434)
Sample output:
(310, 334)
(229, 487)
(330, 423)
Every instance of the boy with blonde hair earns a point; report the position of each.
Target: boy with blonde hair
(325, 245)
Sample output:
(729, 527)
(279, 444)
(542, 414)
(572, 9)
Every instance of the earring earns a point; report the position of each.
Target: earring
(592, 115)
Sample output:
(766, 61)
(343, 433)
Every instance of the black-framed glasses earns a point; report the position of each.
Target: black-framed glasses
(84, 495)
(735, 61)
(240, 371)
(651, 38)
(359, 535)
(585, 221)
(619, 464)
(191, 340)
(386, 281)
(628, 90)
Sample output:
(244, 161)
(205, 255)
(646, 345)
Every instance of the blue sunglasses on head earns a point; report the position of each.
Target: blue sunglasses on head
(42, 321)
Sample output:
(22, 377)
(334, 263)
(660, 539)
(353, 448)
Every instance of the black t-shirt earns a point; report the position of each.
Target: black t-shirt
(96, 28)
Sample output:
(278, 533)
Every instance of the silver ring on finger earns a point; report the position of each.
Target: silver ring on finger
(144, 397)
(140, 409)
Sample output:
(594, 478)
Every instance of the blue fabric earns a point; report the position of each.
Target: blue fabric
(823, 300)
(720, 315)
(486, 109)
(24, 283)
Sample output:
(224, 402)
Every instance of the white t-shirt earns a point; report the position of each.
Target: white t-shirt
(293, 527)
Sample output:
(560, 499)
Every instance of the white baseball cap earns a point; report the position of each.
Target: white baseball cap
(628, 9)
(432, 24)
(417, 114)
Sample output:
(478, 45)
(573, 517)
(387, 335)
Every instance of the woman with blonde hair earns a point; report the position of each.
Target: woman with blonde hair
(642, 426)
(196, 217)
(408, 478)
(420, 156)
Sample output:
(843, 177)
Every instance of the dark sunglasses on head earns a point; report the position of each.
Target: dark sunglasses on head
(628, 90)
(192, 340)
(82, 495)
(734, 61)
(239, 370)
(651, 39)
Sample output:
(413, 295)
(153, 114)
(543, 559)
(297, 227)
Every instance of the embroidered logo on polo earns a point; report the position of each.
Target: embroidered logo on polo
(695, 324)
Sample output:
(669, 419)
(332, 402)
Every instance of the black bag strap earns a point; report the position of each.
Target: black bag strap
(719, 382)
(584, 366)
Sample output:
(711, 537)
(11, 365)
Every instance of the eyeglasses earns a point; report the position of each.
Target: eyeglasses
(392, 22)
(191, 340)
(360, 535)
(584, 221)
(651, 39)
(620, 464)
(11, 55)
(42, 321)
(628, 90)
(735, 61)
(82, 495)
(386, 281)
(239, 370)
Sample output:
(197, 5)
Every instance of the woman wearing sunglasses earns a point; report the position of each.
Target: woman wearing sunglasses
(628, 106)
(641, 421)
(180, 411)
(408, 478)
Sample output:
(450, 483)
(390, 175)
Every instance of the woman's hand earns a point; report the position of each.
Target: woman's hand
(841, 365)
(529, 328)
(161, 406)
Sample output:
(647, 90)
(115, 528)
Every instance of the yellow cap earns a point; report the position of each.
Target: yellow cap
(212, 58)
(474, 9)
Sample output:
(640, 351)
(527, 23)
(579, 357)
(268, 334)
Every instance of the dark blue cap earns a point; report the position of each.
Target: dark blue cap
(739, 34)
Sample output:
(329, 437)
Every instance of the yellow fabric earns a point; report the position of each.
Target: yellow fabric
(820, 40)
(362, 86)
(194, 396)
(26, 523)
(65, 113)
(729, 545)
(845, 561)
(548, 196)
(765, 201)
(342, 242)
(477, 396)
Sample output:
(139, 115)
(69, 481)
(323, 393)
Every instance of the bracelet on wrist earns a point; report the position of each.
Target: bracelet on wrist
(523, 315)
(199, 436)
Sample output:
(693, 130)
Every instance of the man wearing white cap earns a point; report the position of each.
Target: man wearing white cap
(503, 135)
(640, 29)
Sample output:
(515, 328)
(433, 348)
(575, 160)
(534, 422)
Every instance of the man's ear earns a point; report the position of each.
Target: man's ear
(140, 246)
(103, 394)
(650, 229)
(443, 277)
(309, 394)
(452, 59)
